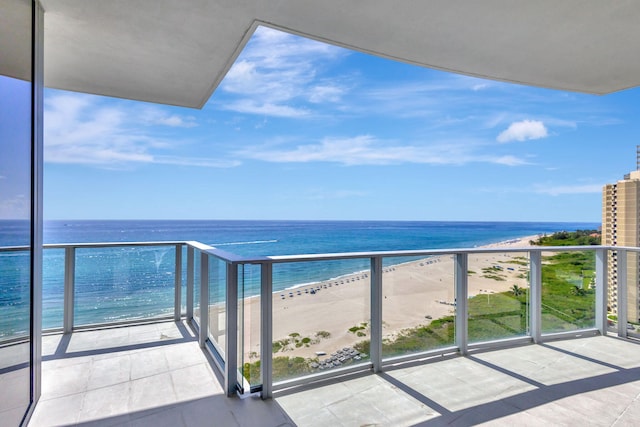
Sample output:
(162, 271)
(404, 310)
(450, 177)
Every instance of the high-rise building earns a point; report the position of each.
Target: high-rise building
(621, 227)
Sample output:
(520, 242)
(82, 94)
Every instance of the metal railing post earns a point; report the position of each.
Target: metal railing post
(375, 344)
(204, 299)
(69, 288)
(266, 329)
(461, 301)
(535, 294)
(231, 330)
(190, 274)
(622, 293)
(177, 309)
(601, 291)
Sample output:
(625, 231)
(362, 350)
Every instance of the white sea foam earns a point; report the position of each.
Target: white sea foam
(254, 242)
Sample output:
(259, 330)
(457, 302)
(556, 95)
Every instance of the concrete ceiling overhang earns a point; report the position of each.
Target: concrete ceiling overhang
(177, 52)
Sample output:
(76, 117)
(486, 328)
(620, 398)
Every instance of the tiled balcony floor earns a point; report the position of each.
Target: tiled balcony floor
(147, 375)
(156, 375)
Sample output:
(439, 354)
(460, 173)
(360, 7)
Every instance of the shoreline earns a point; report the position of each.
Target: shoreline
(336, 315)
(522, 242)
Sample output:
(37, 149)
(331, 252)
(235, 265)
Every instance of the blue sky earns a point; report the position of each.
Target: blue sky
(303, 130)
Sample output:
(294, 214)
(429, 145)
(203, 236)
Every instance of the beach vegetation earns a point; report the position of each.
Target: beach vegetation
(358, 329)
(362, 346)
(280, 345)
(471, 272)
(251, 371)
(295, 340)
(323, 334)
(517, 290)
(495, 277)
(569, 238)
(493, 272)
(517, 261)
(283, 367)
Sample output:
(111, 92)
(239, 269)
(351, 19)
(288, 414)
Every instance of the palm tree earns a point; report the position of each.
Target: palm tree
(517, 291)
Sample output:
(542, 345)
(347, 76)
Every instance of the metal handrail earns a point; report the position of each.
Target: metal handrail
(228, 364)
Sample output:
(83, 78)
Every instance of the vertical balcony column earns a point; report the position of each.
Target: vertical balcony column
(375, 348)
(535, 294)
(177, 309)
(69, 288)
(37, 191)
(266, 329)
(204, 299)
(231, 331)
(190, 274)
(462, 306)
(601, 290)
(622, 293)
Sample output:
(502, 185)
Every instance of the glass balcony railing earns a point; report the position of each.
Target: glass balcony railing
(320, 325)
(498, 296)
(568, 291)
(418, 304)
(14, 299)
(123, 283)
(281, 321)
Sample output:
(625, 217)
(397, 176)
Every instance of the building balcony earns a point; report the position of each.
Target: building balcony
(191, 335)
(158, 375)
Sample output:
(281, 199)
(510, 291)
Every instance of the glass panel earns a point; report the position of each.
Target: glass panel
(612, 291)
(321, 316)
(418, 304)
(53, 288)
(183, 283)
(15, 209)
(123, 283)
(217, 303)
(498, 296)
(249, 325)
(568, 291)
(15, 279)
(633, 307)
(197, 255)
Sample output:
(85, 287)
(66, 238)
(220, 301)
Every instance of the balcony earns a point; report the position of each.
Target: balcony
(401, 338)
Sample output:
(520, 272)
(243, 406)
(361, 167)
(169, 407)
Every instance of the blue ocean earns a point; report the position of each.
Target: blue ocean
(137, 282)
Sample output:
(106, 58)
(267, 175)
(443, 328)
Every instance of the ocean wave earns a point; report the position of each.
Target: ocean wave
(253, 242)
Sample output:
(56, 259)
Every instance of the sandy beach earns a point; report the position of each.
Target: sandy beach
(331, 315)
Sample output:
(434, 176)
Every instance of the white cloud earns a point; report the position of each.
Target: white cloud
(82, 129)
(249, 106)
(77, 130)
(509, 161)
(325, 93)
(479, 86)
(523, 130)
(277, 72)
(17, 207)
(568, 189)
(156, 116)
(367, 150)
(195, 161)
